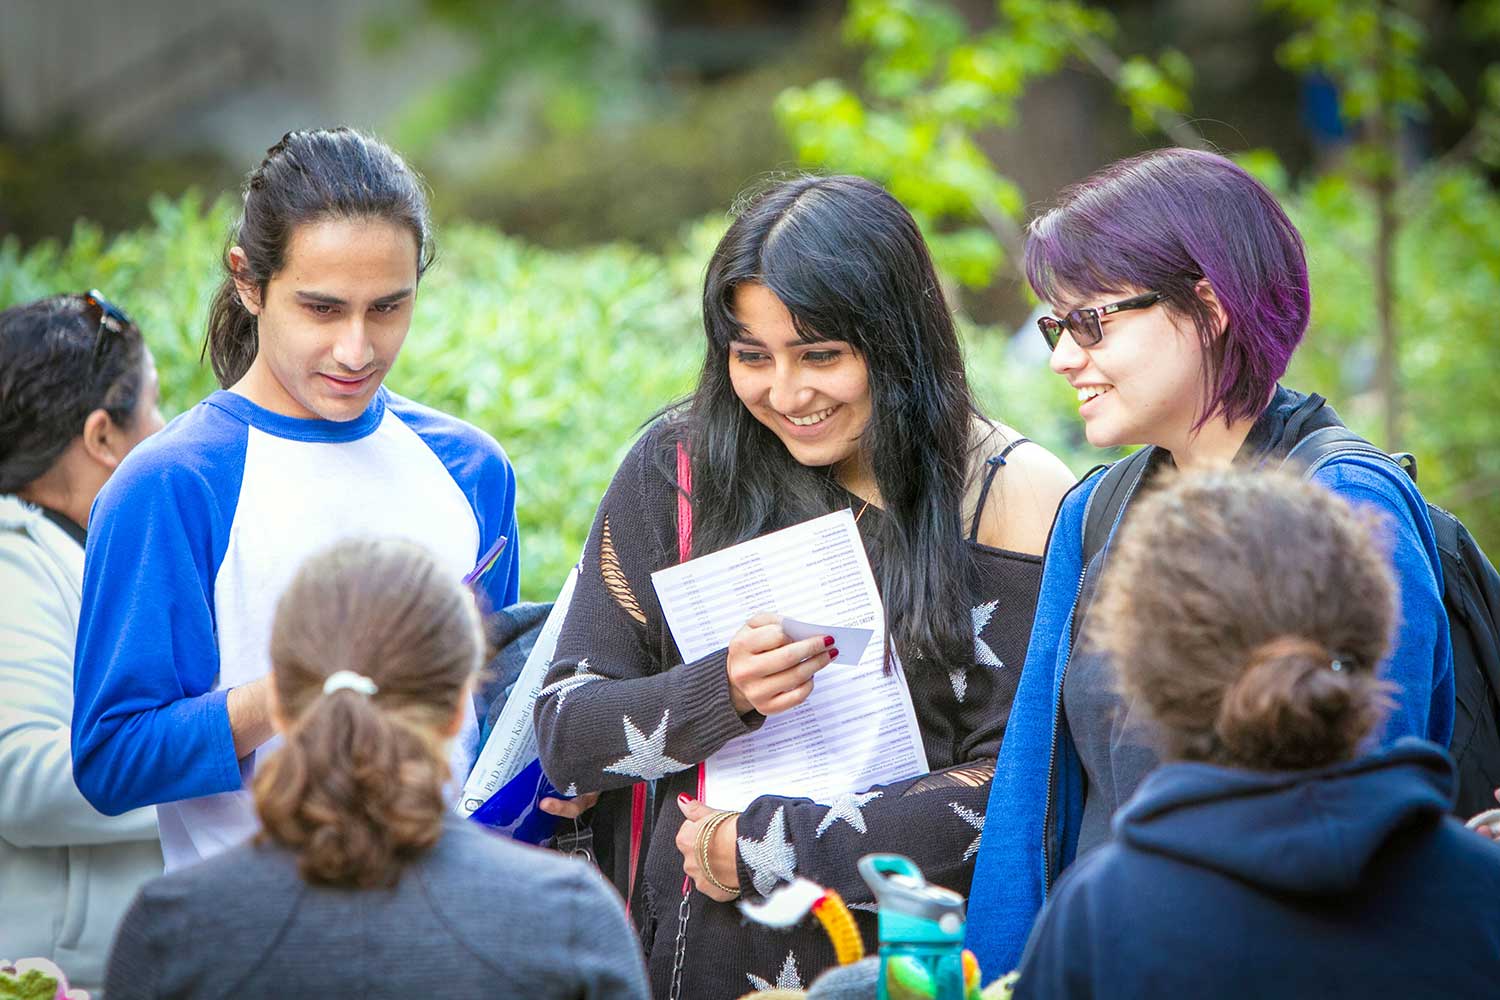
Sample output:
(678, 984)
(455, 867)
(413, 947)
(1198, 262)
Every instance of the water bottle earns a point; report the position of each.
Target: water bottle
(921, 931)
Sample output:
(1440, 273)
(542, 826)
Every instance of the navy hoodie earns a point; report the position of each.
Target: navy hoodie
(1350, 881)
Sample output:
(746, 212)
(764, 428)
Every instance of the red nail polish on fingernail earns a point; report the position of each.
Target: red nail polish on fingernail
(828, 640)
(684, 799)
(833, 654)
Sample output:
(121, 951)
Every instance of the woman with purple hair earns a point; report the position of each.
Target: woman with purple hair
(1182, 290)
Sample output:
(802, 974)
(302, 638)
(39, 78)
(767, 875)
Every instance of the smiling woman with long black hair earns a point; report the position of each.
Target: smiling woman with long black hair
(833, 379)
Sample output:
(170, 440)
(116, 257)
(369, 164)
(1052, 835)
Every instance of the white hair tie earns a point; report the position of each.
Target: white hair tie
(341, 679)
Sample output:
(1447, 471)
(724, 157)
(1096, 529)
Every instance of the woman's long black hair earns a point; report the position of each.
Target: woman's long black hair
(849, 263)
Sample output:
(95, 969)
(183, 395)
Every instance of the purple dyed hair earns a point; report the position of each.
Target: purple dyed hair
(1165, 220)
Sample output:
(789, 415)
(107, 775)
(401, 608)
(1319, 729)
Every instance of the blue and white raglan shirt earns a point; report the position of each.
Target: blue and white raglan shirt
(190, 545)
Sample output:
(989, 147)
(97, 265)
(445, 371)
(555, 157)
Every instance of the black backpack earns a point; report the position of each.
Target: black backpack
(1471, 598)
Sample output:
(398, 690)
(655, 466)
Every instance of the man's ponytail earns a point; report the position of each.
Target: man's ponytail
(232, 341)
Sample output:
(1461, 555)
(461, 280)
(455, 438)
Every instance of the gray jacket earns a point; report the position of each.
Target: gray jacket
(67, 872)
(477, 916)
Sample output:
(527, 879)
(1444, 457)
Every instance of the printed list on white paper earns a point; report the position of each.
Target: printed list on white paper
(858, 728)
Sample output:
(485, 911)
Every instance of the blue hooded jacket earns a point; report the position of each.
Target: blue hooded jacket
(1349, 881)
(1039, 780)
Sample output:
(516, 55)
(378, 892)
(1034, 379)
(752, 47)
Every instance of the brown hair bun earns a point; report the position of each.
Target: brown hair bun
(1291, 709)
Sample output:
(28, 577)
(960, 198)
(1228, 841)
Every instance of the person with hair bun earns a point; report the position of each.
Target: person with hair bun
(362, 881)
(304, 445)
(1267, 857)
(78, 392)
(1180, 291)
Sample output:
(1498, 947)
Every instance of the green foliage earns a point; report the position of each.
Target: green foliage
(635, 183)
(560, 356)
(933, 86)
(30, 985)
(1447, 267)
(1373, 50)
(932, 83)
(560, 65)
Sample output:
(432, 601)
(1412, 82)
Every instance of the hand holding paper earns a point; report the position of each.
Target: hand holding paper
(768, 671)
(856, 727)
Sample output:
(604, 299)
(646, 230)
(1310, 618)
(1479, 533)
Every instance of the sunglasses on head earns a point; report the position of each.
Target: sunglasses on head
(1084, 324)
(111, 318)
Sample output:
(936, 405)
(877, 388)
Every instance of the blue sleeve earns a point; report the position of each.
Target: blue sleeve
(1421, 660)
(483, 472)
(148, 726)
(1009, 876)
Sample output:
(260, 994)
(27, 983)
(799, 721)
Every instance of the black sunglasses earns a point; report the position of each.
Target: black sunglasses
(111, 318)
(1084, 324)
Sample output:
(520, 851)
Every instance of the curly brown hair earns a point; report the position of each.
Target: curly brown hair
(356, 791)
(1248, 613)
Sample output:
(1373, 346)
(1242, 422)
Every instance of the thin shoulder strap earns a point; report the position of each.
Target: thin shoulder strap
(992, 464)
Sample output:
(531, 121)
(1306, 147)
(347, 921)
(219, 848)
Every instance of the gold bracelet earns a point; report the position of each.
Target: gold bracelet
(705, 841)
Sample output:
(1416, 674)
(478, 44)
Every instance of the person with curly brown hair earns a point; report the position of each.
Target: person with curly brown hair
(1274, 853)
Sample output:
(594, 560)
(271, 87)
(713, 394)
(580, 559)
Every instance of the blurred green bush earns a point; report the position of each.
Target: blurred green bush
(562, 356)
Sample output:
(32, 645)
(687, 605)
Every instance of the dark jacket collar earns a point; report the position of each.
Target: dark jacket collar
(1307, 832)
(72, 528)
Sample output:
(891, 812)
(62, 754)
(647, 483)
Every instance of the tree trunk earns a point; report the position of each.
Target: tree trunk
(1384, 137)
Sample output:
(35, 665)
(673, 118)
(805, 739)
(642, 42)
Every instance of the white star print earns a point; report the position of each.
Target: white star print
(960, 683)
(975, 820)
(787, 979)
(581, 675)
(771, 858)
(647, 757)
(847, 808)
(982, 651)
(572, 791)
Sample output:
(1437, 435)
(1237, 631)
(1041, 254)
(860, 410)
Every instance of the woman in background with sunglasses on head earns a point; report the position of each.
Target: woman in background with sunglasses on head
(1183, 291)
(78, 391)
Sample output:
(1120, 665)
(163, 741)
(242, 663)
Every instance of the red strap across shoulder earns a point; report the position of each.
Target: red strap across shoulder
(684, 552)
(684, 505)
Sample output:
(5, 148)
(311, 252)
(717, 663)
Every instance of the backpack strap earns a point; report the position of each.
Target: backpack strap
(1325, 444)
(1120, 481)
(1100, 515)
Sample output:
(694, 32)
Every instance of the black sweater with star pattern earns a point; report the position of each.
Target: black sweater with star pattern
(620, 706)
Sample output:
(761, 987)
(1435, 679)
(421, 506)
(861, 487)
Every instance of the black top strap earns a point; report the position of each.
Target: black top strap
(993, 462)
(1010, 448)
